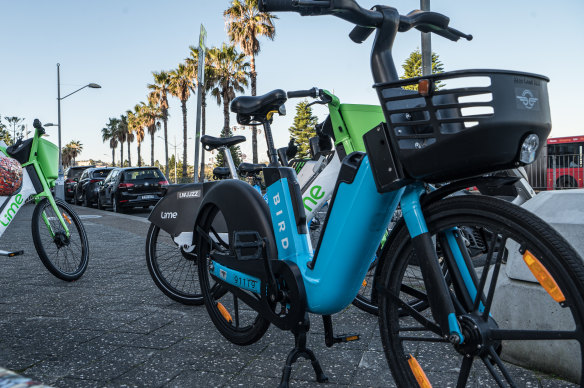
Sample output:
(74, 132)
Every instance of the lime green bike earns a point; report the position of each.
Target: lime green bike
(58, 233)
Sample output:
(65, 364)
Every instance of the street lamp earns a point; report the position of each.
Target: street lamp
(174, 145)
(60, 188)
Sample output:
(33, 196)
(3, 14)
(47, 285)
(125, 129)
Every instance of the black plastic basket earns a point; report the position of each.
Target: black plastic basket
(468, 122)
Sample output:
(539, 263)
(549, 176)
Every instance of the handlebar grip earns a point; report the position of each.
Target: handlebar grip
(360, 34)
(276, 6)
(452, 34)
(314, 92)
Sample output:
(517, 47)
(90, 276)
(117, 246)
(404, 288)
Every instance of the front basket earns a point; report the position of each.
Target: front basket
(463, 123)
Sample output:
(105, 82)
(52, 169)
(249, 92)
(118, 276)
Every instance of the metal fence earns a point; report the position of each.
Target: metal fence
(564, 172)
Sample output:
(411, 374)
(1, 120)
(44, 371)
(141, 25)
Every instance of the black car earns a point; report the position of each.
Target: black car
(88, 185)
(72, 176)
(130, 187)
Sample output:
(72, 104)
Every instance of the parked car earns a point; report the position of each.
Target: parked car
(72, 175)
(129, 187)
(88, 185)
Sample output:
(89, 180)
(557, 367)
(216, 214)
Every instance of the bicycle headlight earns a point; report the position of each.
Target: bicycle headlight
(529, 148)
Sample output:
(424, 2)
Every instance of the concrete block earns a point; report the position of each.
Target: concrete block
(520, 299)
(563, 210)
(527, 303)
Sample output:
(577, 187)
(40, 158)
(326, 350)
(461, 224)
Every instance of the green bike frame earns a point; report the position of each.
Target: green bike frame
(39, 174)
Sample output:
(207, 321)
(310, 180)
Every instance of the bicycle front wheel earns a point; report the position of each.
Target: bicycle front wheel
(173, 270)
(65, 256)
(506, 336)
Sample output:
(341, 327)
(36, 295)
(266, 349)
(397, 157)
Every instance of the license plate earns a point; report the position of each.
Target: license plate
(149, 197)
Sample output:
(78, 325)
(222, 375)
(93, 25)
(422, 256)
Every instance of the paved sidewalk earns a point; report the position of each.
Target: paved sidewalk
(114, 328)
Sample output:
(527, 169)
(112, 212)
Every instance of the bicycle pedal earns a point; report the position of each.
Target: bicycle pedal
(11, 254)
(251, 242)
(330, 339)
(346, 338)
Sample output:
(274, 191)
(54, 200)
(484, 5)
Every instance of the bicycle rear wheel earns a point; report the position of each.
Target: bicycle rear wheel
(499, 331)
(64, 256)
(234, 319)
(173, 271)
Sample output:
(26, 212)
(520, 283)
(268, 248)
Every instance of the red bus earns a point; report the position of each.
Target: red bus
(564, 162)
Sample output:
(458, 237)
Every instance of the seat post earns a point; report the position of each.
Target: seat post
(272, 155)
(230, 164)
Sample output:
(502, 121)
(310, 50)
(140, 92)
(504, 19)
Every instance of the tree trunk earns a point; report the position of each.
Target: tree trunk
(129, 156)
(184, 112)
(203, 120)
(166, 145)
(254, 131)
(152, 149)
(139, 157)
(121, 154)
(113, 157)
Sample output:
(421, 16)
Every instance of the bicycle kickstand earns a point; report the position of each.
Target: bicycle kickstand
(300, 350)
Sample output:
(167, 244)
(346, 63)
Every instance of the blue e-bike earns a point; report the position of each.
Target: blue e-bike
(266, 272)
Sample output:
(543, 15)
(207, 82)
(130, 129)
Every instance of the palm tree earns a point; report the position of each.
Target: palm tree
(210, 81)
(72, 150)
(181, 82)
(231, 75)
(108, 134)
(136, 126)
(150, 114)
(159, 94)
(120, 134)
(129, 139)
(124, 132)
(245, 23)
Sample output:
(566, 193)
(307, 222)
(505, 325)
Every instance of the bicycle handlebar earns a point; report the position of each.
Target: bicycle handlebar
(314, 93)
(365, 20)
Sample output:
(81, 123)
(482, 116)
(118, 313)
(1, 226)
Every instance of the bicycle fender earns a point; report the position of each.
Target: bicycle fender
(177, 211)
(243, 209)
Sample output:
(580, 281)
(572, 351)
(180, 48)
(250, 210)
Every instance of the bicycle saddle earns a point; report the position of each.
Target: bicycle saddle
(221, 172)
(250, 168)
(211, 143)
(259, 105)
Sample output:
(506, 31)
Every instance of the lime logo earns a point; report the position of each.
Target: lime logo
(316, 192)
(12, 209)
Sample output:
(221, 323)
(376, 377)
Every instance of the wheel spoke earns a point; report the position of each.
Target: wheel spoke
(493, 372)
(532, 335)
(464, 372)
(485, 273)
(423, 339)
(495, 276)
(495, 357)
(416, 315)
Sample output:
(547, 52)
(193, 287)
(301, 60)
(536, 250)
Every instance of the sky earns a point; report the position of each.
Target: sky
(119, 43)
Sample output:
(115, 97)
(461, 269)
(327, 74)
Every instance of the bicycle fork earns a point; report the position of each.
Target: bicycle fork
(438, 292)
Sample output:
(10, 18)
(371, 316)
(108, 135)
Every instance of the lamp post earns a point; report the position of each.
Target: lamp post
(174, 146)
(59, 183)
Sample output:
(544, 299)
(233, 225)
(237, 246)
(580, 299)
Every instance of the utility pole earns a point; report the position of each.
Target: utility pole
(426, 44)
(201, 77)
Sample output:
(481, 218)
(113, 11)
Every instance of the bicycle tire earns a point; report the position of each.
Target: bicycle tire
(174, 272)
(216, 297)
(520, 231)
(71, 253)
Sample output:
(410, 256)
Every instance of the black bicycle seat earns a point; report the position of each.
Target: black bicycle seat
(211, 143)
(250, 168)
(221, 172)
(259, 105)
